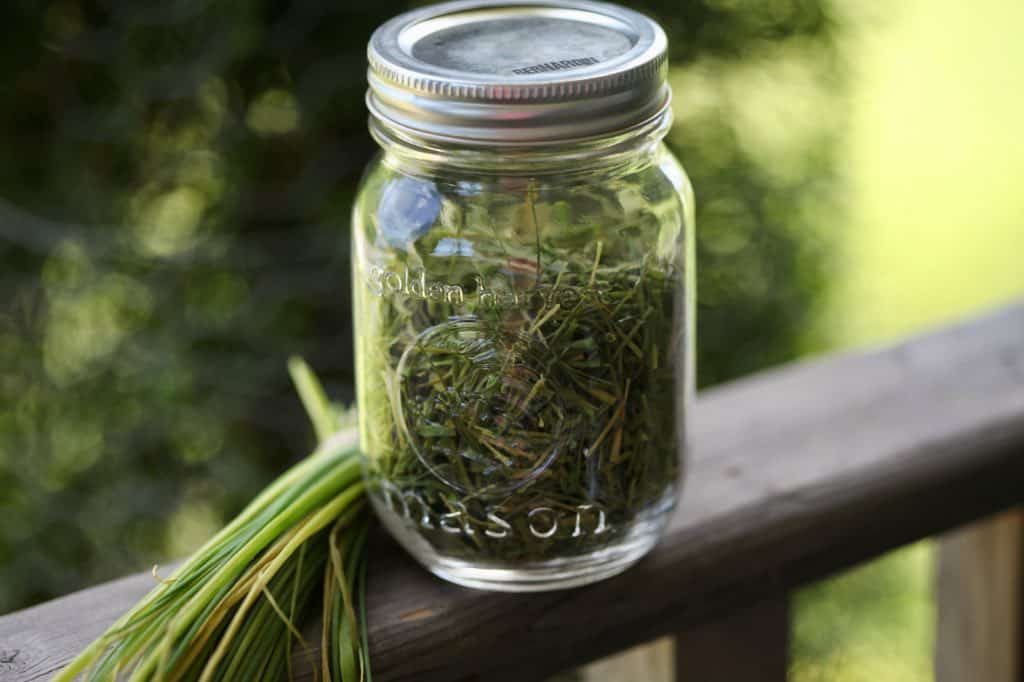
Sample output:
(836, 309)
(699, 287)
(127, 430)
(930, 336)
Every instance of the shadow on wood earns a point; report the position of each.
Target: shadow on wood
(752, 644)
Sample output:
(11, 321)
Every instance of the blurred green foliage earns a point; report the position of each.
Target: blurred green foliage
(174, 204)
(873, 623)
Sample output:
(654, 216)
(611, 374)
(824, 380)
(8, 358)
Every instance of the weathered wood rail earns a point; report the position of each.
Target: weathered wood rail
(796, 473)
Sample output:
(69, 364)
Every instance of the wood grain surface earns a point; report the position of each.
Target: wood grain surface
(980, 592)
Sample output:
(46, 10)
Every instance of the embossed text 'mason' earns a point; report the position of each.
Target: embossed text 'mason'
(542, 522)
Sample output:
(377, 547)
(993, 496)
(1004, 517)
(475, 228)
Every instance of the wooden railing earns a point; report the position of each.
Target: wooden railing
(796, 473)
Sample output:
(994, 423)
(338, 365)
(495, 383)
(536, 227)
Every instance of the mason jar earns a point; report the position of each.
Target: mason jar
(523, 291)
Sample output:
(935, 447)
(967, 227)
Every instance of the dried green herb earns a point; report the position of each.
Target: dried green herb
(517, 372)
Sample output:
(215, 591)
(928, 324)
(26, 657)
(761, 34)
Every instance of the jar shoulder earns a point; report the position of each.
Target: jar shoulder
(657, 169)
(448, 211)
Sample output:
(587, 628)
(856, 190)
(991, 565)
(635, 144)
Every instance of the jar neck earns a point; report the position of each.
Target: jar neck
(410, 151)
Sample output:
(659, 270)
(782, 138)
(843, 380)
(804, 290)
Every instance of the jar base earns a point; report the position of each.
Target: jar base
(542, 576)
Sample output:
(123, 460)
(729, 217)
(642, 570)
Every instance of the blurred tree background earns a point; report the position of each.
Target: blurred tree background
(174, 200)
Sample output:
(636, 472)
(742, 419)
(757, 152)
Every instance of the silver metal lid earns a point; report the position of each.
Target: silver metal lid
(517, 73)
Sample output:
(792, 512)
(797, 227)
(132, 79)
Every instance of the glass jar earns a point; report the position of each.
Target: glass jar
(523, 292)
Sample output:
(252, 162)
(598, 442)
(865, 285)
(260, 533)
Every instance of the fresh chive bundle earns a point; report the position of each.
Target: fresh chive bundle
(232, 610)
